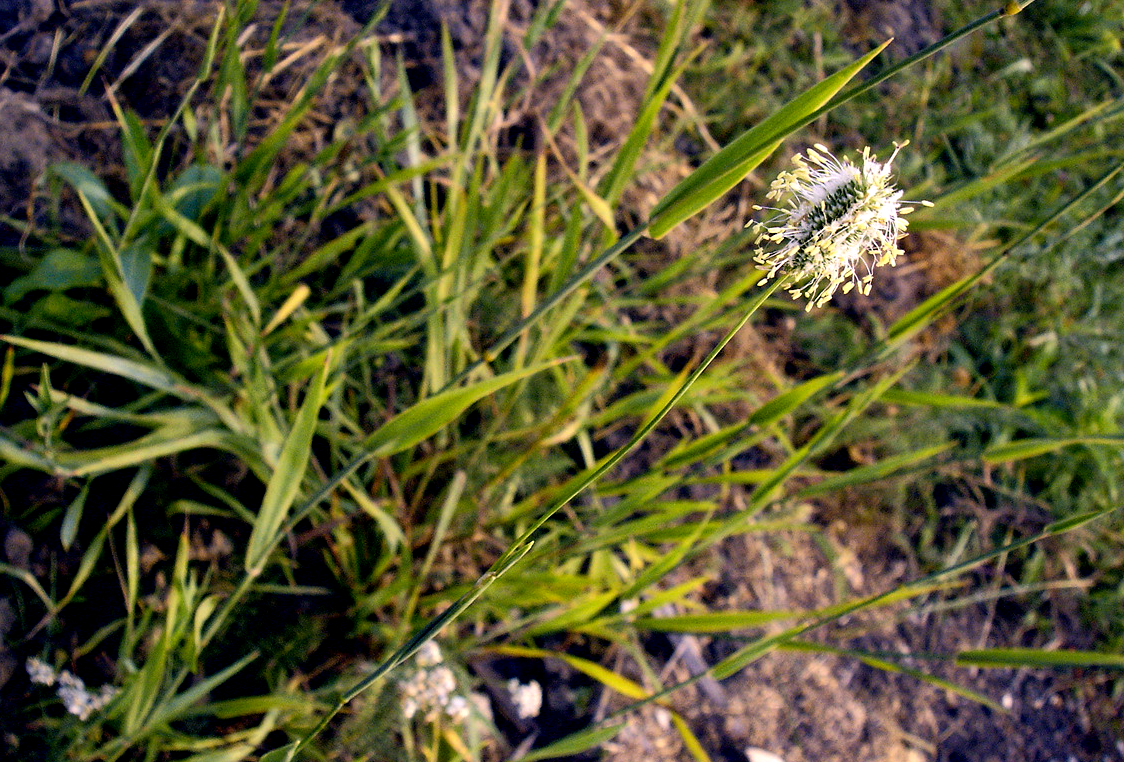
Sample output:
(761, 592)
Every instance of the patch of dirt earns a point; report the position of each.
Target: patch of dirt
(913, 24)
(823, 707)
(27, 146)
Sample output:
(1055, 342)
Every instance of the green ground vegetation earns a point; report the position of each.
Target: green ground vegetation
(279, 408)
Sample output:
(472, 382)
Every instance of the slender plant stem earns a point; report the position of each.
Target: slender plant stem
(490, 354)
(521, 546)
(865, 87)
(645, 429)
(581, 276)
(734, 663)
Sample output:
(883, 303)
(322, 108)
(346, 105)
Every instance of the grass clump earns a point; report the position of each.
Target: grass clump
(332, 367)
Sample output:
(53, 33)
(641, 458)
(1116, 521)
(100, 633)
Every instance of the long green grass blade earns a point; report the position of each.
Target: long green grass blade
(716, 621)
(883, 469)
(783, 404)
(729, 166)
(1009, 658)
(575, 743)
(423, 420)
(1029, 448)
(285, 483)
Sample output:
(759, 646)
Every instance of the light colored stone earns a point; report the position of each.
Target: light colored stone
(753, 754)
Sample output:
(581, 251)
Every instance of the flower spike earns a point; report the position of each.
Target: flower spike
(840, 222)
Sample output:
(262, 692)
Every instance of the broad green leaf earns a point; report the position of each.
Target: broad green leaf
(14, 453)
(157, 444)
(235, 753)
(88, 185)
(7, 373)
(23, 575)
(729, 166)
(138, 152)
(70, 520)
(58, 270)
(194, 189)
(61, 309)
(136, 268)
(418, 423)
(296, 704)
(142, 373)
(121, 281)
(284, 754)
(1073, 522)
(287, 477)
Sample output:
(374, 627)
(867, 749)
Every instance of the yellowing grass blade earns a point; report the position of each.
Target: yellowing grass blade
(608, 678)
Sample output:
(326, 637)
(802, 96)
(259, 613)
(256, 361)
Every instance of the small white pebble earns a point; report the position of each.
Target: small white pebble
(753, 754)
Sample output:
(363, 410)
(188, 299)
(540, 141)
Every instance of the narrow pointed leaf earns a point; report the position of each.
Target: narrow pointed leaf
(785, 403)
(286, 480)
(1033, 657)
(729, 166)
(574, 743)
(429, 416)
(1029, 448)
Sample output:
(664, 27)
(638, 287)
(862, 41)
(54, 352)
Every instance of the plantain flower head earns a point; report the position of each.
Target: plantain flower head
(839, 222)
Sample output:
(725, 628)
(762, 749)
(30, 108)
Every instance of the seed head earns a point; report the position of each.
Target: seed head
(839, 222)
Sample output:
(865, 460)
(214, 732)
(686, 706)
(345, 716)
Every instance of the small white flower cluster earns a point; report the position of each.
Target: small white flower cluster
(75, 697)
(841, 221)
(430, 689)
(527, 698)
